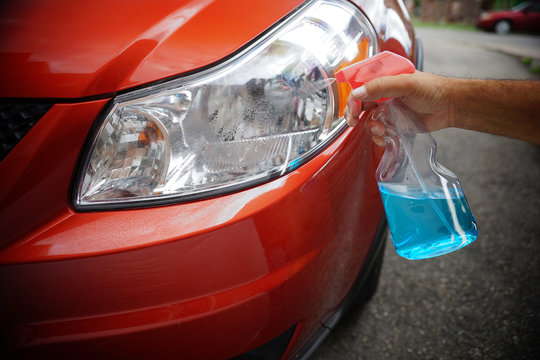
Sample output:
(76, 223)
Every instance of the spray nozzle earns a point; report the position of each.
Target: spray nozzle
(382, 64)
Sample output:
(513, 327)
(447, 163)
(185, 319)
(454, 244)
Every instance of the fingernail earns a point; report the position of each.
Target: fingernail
(378, 141)
(360, 92)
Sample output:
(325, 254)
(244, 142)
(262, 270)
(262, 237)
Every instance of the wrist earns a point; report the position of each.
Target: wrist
(452, 92)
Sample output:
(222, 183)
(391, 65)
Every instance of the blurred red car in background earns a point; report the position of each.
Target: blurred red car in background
(522, 17)
(177, 179)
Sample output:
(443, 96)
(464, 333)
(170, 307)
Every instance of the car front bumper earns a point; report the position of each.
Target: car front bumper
(208, 279)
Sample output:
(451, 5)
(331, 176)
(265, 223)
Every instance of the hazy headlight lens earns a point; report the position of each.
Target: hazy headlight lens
(248, 120)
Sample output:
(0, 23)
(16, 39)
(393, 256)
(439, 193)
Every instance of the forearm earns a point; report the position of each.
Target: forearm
(508, 108)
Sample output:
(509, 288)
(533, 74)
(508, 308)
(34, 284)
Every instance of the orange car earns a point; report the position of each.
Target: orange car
(177, 179)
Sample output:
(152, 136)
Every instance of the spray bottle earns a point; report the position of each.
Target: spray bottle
(426, 208)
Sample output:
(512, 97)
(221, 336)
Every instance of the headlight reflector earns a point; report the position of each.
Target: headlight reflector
(245, 121)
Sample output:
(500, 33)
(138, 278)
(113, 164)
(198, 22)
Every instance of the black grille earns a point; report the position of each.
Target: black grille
(16, 119)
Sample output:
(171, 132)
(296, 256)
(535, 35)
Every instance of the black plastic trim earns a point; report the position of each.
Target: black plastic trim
(16, 120)
(271, 350)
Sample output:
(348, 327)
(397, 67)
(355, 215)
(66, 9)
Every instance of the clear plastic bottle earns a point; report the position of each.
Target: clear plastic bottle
(426, 208)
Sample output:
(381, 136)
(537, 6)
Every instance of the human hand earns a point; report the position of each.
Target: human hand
(428, 95)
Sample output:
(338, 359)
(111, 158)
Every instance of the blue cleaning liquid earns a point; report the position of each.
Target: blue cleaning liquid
(427, 225)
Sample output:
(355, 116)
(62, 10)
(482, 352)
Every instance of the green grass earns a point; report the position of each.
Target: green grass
(526, 61)
(505, 4)
(532, 65)
(443, 25)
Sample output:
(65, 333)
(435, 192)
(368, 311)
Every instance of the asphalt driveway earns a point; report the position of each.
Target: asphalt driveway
(482, 302)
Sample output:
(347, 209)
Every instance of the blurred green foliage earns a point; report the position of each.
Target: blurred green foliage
(505, 4)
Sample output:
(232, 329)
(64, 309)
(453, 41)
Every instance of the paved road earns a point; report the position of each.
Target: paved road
(522, 45)
(482, 302)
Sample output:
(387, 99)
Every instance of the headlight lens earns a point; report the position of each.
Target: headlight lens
(243, 122)
(484, 16)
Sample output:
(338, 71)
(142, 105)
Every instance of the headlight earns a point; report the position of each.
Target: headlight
(250, 119)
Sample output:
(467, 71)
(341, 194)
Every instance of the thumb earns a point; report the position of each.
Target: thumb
(384, 87)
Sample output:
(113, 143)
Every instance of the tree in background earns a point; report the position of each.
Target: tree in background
(463, 11)
(504, 4)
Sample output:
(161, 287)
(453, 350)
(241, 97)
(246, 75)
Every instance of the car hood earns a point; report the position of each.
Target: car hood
(79, 49)
(502, 13)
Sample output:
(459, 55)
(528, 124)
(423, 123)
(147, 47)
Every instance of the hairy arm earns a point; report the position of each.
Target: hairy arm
(501, 107)
(508, 108)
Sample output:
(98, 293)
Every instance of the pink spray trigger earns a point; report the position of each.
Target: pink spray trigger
(383, 64)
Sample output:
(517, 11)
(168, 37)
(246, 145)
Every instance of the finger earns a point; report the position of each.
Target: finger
(384, 87)
(368, 105)
(354, 121)
(351, 121)
(347, 115)
(354, 108)
(370, 122)
(375, 128)
(353, 112)
(379, 140)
